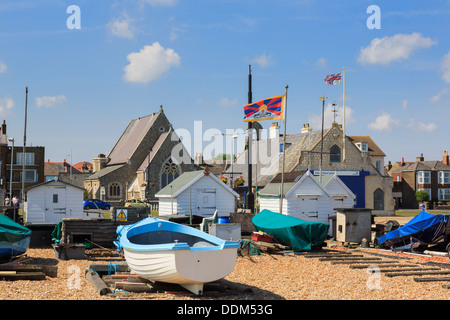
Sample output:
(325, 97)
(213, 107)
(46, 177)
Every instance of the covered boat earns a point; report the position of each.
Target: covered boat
(164, 251)
(299, 234)
(14, 238)
(423, 229)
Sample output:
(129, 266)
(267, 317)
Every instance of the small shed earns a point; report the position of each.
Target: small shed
(51, 201)
(305, 197)
(198, 193)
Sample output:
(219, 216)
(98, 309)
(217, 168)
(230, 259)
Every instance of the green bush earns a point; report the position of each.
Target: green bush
(422, 196)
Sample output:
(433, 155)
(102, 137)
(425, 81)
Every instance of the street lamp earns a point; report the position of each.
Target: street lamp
(11, 172)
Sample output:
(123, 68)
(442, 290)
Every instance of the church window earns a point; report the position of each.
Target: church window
(170, 171)
(335, 154)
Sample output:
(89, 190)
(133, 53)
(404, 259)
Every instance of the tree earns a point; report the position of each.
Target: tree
(422, 196)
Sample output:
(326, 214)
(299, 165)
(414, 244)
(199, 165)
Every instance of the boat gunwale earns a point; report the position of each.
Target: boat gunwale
(219, 244)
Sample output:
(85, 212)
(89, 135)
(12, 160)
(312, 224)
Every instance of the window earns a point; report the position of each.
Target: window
(378, 165)
(29, 158)
(169, 172)
(444, 177)
(378, 199)
(114, 190)
(55, 198)
(444, 194)
(423, 177)
(30, 176)
(335, 154)
(363, 146)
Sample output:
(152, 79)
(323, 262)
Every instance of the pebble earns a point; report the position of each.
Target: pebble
(271, 277)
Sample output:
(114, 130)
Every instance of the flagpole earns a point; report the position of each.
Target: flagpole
(343, 105)
(250, 201)
(321, 140)
(284, 148)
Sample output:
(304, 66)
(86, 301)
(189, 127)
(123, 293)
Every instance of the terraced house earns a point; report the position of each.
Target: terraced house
(431, 176)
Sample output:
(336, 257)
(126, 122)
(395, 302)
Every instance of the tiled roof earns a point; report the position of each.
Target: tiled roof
(130, 139)
(374, 150)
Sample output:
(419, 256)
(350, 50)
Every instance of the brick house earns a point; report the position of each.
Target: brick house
(139, 164)
(33, 169)
(357, 160)
(431, 176)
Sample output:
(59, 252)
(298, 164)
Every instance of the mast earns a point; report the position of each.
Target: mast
(22, 195)
(284, 151)
(250, 203)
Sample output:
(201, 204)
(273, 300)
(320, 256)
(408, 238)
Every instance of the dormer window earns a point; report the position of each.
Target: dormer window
(363, 146)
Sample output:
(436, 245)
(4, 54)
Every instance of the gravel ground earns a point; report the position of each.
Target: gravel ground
(271, 277)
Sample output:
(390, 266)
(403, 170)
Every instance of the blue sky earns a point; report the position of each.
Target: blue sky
(192, 57)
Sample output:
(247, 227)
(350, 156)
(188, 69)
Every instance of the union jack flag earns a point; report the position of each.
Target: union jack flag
(333, 78)
(270, 108)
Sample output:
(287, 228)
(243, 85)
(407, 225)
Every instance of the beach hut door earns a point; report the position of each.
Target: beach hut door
(309, 206)
(55, 204)
(206, 202)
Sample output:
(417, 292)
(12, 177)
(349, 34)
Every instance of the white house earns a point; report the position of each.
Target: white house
(198, 193)
(305, 197)
(51, 201)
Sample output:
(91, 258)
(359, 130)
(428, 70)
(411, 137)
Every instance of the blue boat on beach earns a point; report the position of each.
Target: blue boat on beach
(14, 238)
(165, 251)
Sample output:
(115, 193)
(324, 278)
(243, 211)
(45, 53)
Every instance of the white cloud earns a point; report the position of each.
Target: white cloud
(227, 102)
(322, 62)
(263, 60)
(387, 49)
(428, 127)
(3, 67)
(150, 63)
(160, 2)
(445, 68)
(6, 104)
(121, 27)
(438, 96)
(421, 126)
(384, 122)
(50, 101)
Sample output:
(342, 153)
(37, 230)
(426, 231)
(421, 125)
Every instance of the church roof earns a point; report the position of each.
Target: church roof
(130, 139)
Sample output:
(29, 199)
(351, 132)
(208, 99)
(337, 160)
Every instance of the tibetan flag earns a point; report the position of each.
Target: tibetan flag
(333, 78)
(267, 109)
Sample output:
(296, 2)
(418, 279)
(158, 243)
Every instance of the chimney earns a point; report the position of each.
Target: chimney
(389, 165)
(445, 158)
(99, 162)
(403, 161)
(4, 128)
(306, 128)
(274, 131)
(421, 158)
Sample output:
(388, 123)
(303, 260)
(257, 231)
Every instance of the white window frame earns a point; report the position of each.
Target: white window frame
(444, 194)
(424, 177)
(444, 177)
(29, 158)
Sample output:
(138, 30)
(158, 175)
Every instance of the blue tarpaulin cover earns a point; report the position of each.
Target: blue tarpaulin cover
(425, 227)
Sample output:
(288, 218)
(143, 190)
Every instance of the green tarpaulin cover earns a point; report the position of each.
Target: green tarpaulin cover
(11, 231)
(299, 234)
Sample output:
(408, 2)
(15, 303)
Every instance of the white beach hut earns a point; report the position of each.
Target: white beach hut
(305, 197)
(51, 201)
(198, 193)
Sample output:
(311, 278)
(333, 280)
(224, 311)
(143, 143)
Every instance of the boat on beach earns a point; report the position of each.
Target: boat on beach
(164, 251)
(14, 238)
